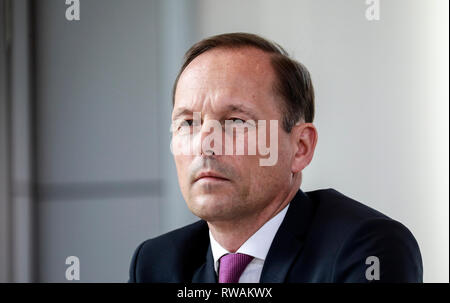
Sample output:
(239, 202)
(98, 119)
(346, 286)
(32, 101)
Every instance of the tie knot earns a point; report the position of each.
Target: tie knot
(231, 267)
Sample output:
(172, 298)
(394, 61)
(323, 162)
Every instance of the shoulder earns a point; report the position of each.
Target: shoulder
(336, 206)
(336, 214)
(171, 256)
(355, 232)
(382, 240)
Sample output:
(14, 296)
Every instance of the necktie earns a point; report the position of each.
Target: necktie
(231, 267)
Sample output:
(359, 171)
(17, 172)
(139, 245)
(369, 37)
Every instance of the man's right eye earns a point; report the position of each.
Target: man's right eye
(183, 124)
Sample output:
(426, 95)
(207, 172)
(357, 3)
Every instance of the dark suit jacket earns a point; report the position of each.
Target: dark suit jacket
(324, 237)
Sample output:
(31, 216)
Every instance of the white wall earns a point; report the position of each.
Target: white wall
(381, 101)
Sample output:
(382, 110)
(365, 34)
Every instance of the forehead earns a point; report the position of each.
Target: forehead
(220, 76)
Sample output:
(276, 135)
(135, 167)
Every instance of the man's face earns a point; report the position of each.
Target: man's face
(236, 85)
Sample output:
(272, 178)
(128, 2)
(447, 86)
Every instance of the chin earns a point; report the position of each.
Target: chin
(210, 206)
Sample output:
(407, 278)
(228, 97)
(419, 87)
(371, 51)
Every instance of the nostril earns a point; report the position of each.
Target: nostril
(209, 152)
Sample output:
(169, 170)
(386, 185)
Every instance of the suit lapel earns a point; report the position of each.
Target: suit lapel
(206, 272)
(289, 240)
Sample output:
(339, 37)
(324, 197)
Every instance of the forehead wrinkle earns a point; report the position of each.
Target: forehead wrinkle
(197, 102)
(220, 102)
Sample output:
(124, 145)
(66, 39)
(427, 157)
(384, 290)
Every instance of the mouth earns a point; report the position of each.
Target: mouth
(210, 177)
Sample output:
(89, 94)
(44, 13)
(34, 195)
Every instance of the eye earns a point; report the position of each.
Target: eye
(182, 124)
(186, 123)
(237, 120)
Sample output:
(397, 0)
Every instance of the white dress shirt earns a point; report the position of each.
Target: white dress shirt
(256, 246)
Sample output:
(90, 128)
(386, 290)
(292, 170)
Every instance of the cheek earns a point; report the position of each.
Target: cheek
(248, 169)
(268, 181)
(182, 166)
(181, 145)
(264, 178)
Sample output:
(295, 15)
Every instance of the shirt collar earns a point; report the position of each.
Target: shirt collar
(257, 245)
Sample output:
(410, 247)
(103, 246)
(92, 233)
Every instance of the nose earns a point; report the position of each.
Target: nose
(208, 142)
(208, 152)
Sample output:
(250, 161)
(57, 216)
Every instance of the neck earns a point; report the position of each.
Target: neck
(232, 234)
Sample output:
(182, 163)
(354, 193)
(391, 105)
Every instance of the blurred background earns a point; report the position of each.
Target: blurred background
(85, 165)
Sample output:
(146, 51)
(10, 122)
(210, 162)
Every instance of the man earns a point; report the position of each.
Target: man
(257, 224)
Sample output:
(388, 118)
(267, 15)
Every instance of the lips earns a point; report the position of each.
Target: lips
(210, 176)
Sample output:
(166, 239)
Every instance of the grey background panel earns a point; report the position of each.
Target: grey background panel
(102, 233)
(103, 135)
(97, 92)
(5, 229)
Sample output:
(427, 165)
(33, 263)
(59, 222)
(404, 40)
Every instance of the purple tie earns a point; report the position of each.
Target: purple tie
(231, 267)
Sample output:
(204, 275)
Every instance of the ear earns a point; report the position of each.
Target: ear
(305, 138)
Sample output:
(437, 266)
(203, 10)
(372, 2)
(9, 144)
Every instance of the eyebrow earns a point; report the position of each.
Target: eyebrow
(236, 108)
(239, 108)
(180, 112)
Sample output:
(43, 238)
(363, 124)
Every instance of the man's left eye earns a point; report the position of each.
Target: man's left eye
(238, 120)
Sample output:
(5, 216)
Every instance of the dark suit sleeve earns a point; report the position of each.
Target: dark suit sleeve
(133, 264)
(387, 240)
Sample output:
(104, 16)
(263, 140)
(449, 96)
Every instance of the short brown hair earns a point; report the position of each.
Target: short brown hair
(294, 81)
